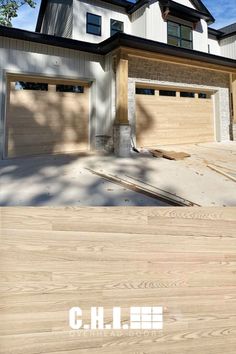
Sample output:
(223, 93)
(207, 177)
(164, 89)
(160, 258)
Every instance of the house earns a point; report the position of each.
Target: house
(102, 74)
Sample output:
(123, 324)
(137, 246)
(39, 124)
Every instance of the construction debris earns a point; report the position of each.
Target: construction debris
(162, 195)
(170, 155)
(220, 171)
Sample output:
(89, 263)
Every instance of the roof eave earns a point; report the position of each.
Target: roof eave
(116, 41)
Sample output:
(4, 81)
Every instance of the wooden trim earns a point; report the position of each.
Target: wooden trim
(176, 88)
(233, 97)
(130, 52)
(49, 80)
(121, 88)
(6, 128)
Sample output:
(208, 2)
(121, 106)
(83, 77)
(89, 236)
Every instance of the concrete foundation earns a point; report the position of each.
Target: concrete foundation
(104, 143)
(122, 140)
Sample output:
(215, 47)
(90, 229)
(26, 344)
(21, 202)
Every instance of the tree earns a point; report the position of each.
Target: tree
(9, 10)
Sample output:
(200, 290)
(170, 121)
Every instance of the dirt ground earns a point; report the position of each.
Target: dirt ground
(64, 180)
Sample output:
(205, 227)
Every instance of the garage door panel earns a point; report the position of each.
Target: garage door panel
(45, 137)
(47, 121)
(46, 149)
(173, 119)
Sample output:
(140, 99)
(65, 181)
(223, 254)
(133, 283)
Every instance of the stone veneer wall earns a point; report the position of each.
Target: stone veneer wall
(161, 73)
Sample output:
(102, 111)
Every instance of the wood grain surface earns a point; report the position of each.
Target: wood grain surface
(183, 259)
(171, 120)
(40, 122)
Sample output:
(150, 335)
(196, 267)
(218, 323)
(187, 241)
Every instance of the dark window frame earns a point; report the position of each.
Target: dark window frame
(145, 91)
(70, 88)
(31, 86)
(93, 24)
(167, 93)
(203, 95)
(187, 94)
(180, 38)
(114, 30)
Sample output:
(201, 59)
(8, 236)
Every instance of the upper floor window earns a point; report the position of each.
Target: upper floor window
(116, 26)
(180, 35)
(94, 24)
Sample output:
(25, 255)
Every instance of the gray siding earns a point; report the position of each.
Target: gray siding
(228, 47)
(58, 18)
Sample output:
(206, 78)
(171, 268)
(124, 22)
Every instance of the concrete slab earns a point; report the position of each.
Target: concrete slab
(64, 180)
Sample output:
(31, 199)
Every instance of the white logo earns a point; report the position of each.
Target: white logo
(140, 318)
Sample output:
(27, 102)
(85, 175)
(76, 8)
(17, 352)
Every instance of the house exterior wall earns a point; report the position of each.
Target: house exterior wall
(96, 7)
(58, 18)
(21, 57)
(147, 22)
(139, 22)
(28, 58)
(156, 26)
(214, 46)
(228, 47)
(150, 24)
(161, 73)
(67, 18)
(200, 37)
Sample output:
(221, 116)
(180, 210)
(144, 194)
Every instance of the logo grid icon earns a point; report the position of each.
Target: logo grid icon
(146, 317)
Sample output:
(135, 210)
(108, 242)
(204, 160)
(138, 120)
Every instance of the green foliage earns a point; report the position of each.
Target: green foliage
(9, 10)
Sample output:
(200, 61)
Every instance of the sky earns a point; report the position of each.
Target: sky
(224, 11)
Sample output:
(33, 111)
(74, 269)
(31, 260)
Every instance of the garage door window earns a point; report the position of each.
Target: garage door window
(203, 95)
(187, 94)
(70, 88)
(35, 86)
(145, 91)
(167, 93)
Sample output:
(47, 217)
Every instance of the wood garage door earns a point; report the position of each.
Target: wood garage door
(167, 116)
(46, 117)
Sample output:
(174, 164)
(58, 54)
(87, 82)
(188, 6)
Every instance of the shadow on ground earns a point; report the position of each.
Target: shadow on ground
(65, 180)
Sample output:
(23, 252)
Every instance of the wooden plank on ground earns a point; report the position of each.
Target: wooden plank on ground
(169, 198)
(170, 155)
(223, 173)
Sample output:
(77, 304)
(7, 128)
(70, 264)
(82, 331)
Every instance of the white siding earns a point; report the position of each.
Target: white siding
(200, 37)
(147, 22)
(228, 47)
(214, 46)
(21, 57)
(139, 23)
(96, 7)
(58, 18)
(156, 26)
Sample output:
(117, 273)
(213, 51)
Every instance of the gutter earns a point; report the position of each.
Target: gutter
(114, 42)
(226, 35)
